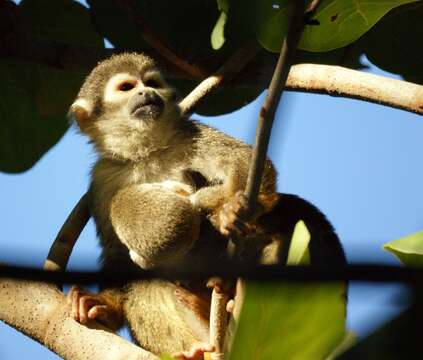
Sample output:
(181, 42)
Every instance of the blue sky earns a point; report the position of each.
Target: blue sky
(359, 163)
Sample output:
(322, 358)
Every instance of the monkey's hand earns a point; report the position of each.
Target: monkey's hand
(88, 306)
(236, 219)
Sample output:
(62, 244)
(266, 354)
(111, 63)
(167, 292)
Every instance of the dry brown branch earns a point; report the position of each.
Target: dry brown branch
(218, 321)
(225, 73)
(41, 312)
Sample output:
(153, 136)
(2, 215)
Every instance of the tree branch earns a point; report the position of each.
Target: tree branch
(271, 102)
(41, 312)
(128, 7)
(264, 128)
(322, 79)
(343, 82)
(225, 73)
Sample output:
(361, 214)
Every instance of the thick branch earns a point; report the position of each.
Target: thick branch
(340, 81)
(323, 79)
(41, 312)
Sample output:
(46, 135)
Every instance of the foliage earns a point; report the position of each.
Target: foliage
(36, 33)
(340, 22)
(290, 321)
(408, 249)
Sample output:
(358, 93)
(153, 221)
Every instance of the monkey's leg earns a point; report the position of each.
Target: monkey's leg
(160, 322)
(104, 308)
(155, 222)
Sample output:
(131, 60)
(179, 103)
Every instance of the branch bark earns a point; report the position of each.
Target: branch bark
(343, 82)
(41, 312)
(271, 102)
(322, 79)
(225, 73)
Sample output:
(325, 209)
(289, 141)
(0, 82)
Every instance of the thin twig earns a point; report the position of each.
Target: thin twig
(128, 7)
(225, 73)
(218, 323)
(268, 110)
(267, 114)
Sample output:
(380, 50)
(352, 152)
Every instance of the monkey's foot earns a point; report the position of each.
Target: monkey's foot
(195, 353)
(88, 306)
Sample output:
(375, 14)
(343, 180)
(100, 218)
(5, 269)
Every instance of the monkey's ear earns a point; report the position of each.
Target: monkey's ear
(82, 110)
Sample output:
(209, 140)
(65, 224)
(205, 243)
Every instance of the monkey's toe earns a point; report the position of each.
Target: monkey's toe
(88, 306)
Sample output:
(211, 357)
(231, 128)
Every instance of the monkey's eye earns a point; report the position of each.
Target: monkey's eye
(152, 83)
(126, 86)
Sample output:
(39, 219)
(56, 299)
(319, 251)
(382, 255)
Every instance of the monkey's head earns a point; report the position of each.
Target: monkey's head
(126, 107)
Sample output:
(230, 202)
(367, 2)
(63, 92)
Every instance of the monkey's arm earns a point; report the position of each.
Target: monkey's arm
(224, 163)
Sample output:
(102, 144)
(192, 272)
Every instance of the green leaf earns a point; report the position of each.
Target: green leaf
(33, 106)
(166, 357)
(408, 249)
(64, 21)
(342, 22)
(349, 340)
(218, 33)
(272, 20)
(223, 5)
(290, 321)
(298, 253)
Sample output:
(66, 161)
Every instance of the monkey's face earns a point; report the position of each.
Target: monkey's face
(126, 107)
(139, 98)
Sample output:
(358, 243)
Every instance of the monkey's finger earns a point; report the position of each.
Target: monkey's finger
(241, 204)
(85, 304)
(98, 311)
(238, 228)
(74, 295)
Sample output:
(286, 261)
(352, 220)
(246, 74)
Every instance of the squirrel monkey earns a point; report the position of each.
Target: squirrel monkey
(166, 188)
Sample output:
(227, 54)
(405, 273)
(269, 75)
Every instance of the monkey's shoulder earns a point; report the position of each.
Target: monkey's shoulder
(208, 135)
